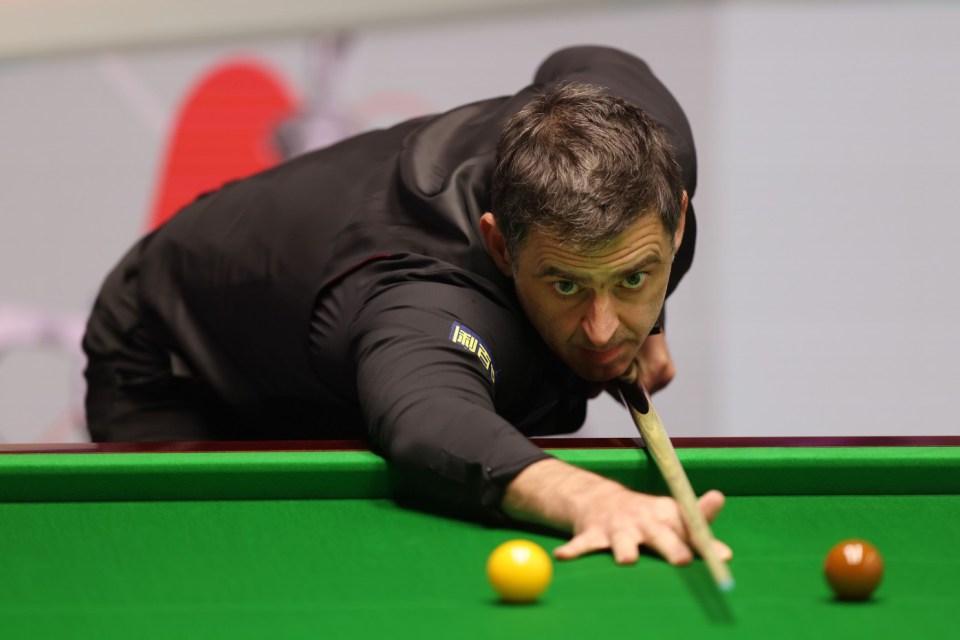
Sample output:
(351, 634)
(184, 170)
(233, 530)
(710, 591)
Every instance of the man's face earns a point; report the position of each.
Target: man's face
(594, 309)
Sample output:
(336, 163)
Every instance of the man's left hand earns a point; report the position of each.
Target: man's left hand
(656, 366)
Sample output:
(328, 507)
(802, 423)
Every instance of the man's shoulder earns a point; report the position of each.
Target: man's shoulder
(586, 58)
(437, 287)
(443, 299)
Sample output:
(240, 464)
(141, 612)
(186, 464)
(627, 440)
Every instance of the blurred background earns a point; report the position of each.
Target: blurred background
(823, 298)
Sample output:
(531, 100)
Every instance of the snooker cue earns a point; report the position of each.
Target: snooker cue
(658, 444)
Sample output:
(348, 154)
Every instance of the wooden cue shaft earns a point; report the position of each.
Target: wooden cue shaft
(658, 444)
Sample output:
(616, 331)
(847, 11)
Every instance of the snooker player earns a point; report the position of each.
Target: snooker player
(443, 288)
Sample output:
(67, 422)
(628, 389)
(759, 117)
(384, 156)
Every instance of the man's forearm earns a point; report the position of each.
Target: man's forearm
(552, 492)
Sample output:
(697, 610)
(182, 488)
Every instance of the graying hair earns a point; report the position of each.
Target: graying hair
(582, 166)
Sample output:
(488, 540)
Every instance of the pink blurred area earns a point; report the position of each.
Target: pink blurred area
(221, 133)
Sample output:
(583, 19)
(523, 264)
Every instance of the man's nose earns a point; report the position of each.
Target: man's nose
(601, 321)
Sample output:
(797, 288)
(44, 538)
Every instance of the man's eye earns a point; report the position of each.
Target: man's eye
(634, 280)
(566, 288)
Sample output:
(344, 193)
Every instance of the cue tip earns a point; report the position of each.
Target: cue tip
(726, 586)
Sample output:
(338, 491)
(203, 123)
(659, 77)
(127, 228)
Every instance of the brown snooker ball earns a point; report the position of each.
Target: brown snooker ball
(853, 569)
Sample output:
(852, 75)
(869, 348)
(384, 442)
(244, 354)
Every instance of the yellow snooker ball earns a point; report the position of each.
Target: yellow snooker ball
(519, 571)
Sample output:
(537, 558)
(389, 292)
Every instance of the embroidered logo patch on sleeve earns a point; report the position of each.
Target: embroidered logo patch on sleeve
(467, 339)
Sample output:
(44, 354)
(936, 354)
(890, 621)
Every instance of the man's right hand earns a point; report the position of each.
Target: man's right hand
(602, 514)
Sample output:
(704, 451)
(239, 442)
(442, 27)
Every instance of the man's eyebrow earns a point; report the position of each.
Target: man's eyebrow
(552, 271)
(640, 265)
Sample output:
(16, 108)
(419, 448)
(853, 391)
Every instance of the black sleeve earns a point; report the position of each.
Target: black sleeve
(432, 360)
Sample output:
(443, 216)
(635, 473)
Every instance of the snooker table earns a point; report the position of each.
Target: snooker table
(303, 540)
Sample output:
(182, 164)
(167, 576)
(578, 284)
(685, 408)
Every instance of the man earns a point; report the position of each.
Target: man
(440, 293)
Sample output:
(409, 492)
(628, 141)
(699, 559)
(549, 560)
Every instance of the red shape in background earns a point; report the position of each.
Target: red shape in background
(222, 132)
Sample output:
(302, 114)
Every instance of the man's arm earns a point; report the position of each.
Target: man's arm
(603, 514)
(432, 361)
(429, 409)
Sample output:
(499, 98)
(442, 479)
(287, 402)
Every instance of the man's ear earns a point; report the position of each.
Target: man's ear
(496, 244)
(678, 236)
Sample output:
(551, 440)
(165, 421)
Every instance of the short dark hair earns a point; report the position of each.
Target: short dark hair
(582, 166)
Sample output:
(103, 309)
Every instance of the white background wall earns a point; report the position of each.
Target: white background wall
(822, 300)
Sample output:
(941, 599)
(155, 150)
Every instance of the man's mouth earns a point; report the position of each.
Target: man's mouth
(602, 356)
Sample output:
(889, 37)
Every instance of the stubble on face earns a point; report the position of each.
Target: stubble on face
(597, 330)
